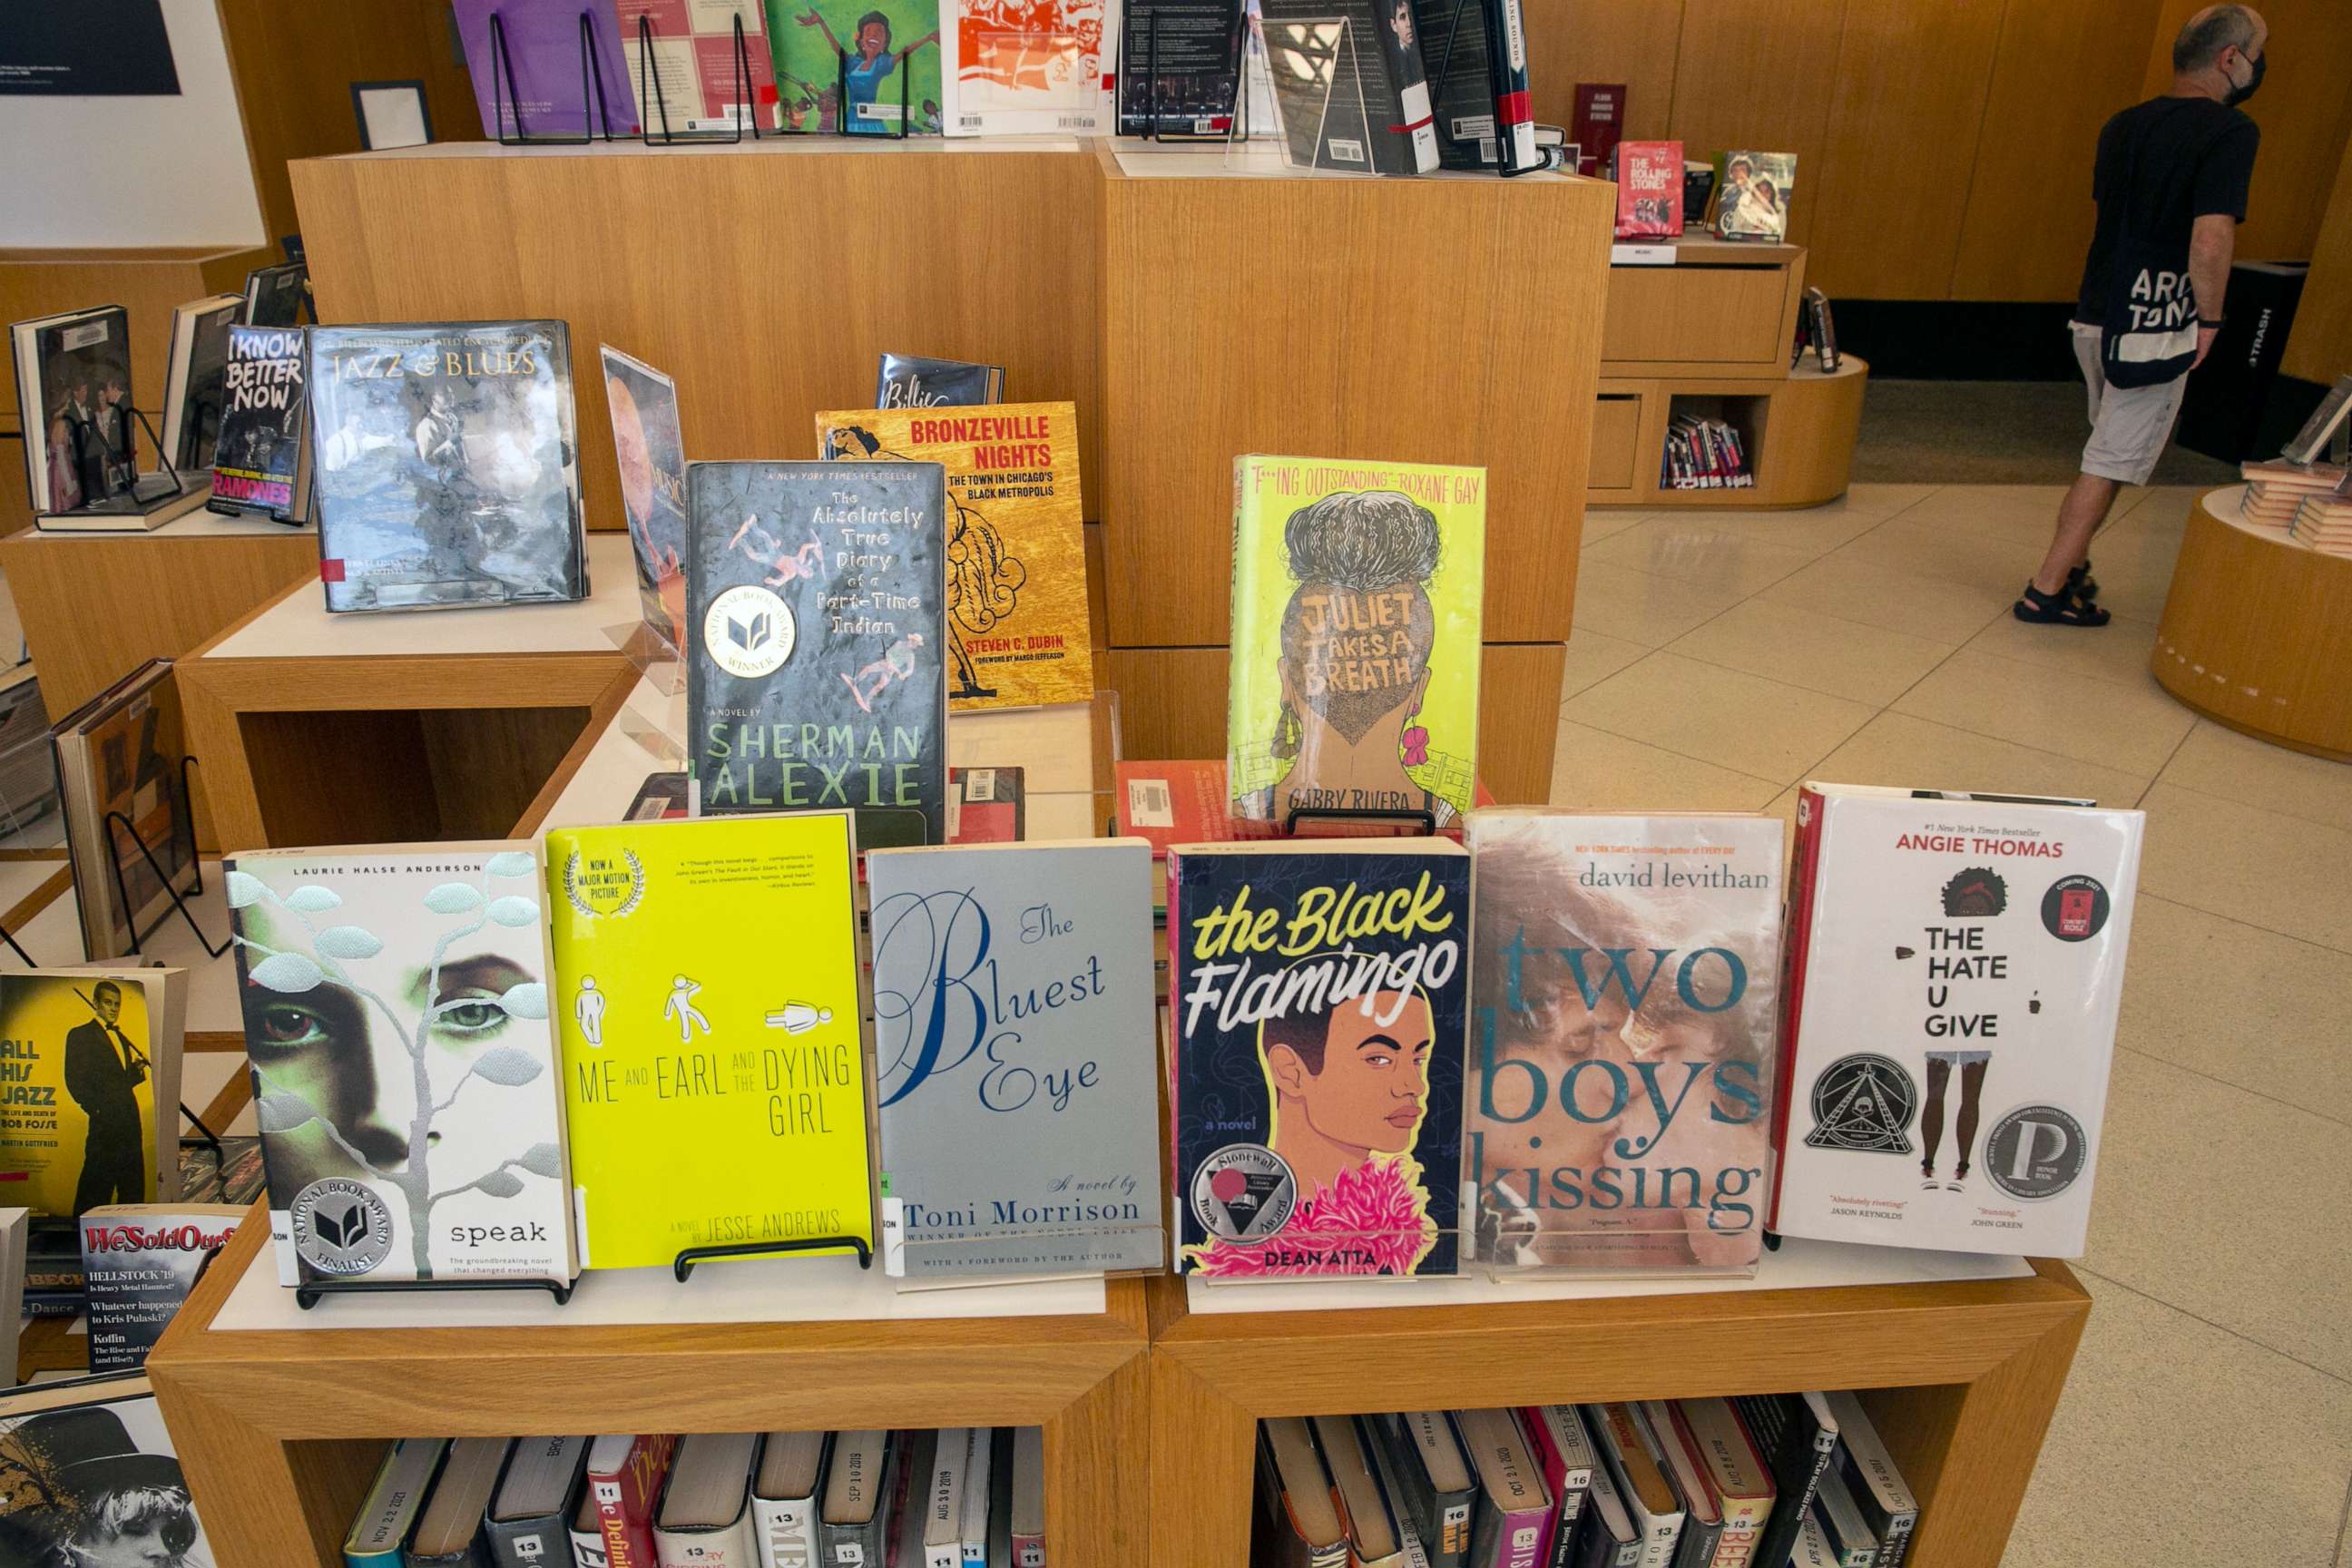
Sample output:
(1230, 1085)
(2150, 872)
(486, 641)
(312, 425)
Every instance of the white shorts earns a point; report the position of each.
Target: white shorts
(2129, 425)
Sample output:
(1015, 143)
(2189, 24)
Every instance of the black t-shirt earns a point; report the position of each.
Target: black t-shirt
(2167, 163)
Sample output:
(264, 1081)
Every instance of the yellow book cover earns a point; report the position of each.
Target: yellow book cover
(716, 1080)
(1016, 541)
(89, 1078)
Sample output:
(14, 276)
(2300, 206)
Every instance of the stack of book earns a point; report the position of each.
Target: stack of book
(961, 1495)
(2275, 492)
(1773, 1479)
(2324, 521)
(1705, 454)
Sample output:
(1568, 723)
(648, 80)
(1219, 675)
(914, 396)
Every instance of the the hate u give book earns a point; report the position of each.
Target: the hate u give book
(714, 1062)
(1317, 1000)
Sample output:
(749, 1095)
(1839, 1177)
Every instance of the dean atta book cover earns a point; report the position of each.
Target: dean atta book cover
(1016, 551)
(1621, 1038)
(1356, 588)
(814, 625)
(1319, 1001)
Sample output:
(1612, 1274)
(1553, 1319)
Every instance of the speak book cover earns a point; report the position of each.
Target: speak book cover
(1621, 1043)
(1356, 611)
(716, 1072)
(816, 673)
(1955, 968)
(1319, 1004)
(1015, 1059)
(1017, 554)
(404, 1077)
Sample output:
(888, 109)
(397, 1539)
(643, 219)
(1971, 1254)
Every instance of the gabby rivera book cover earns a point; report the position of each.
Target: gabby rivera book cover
(1357, 587)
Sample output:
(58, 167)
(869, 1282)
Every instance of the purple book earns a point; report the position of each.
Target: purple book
(541, 90)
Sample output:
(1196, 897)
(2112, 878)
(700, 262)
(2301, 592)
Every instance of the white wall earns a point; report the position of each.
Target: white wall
(114, 172)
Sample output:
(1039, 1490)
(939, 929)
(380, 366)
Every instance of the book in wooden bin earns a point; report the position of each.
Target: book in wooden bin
(1626, 1451)
(452, 1529)
(1888, 1505)
(1017, 628)
(93, 1478)
(1319, 997)
(855, 1519)
(1562, 1450)
(1511, 1516)
(1356, 611)
(1302, 1522)
(1956, 967)
(786, 1493)
(1016, 1061)
(1731, 1470)
(626, 1475)
(395, 1003)
(1626, 978)
(90, 1116)
(388, 1513)
(528, 1519)
(705, 1520)
(689, 1025)
(1434, 1486)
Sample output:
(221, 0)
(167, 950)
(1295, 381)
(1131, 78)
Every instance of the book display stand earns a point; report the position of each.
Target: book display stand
(506, 100)
(682, 1267)
(647, 92)
(186, 817)
(1322, 121)
(310, 1292)
(840, 100)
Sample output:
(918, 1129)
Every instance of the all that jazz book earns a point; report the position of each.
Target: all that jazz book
(1014, 1058)
(715, 1065)
(1017, 552)
(1621, 1061)
(1317, 1000)
(815, 640)
(1356, 598)
(1956, 966)
(403, 1072)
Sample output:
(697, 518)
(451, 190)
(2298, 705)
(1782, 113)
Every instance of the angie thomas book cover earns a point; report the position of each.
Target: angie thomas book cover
(1621, 1038)
(1319, 1001)
(1014, 1058)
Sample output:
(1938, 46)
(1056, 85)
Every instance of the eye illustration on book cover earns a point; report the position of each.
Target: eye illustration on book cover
(1320, 1003)
(1017, 630)
(447, 465)
(1355, 639)
(396, 1026)
(89, 1478)
(650, 450)
(1621, 1058)
(879, 48)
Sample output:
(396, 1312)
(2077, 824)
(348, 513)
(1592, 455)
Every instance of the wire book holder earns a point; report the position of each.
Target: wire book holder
(1403, 816)
(186, 816)
(130, 502)
(745, 110)
(506, 100)
(842, 117)
(682, 1266)
(310, 1292)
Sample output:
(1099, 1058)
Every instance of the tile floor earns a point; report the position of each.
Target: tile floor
(1721, 657)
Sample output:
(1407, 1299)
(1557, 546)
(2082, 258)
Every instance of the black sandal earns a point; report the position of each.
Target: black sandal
(2056, 609)
(2080, 584)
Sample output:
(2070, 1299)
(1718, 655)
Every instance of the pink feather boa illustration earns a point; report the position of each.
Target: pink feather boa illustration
(1373, 1220)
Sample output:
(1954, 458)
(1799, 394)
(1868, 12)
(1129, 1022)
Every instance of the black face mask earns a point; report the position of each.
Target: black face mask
(2239, 95)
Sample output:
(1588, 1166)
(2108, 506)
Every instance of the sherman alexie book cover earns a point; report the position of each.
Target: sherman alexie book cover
(1319, 1001)
(446, 465)
(1956, 964)
(1622, 1040)
(403, 1070)
(1014, 1058)
(815, 628)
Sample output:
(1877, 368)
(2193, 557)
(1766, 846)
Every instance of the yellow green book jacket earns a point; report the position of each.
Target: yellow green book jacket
(1016, 548)
(1357, 584)
(717, 1080)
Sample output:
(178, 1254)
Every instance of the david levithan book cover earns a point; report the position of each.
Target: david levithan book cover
(1356, 588)
(1015, 1055)
(403, 1068)
(1956, 964)
(1622, 1038)
(714, 1056)
(1017, 552)
(815, 675)
(1319, 1000)
(446, 465)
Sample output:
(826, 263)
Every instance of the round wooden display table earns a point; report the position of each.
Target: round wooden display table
(2257, 631)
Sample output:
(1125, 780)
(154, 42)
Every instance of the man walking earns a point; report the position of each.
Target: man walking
(2170, 183)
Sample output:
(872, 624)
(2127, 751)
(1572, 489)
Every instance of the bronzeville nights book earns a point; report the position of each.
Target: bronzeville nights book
(716, 1073)
(1015, 1055)
(1319, 1004)
(815, 639)
(1621, 1038)
(1017, 554)
(1955, 968)
(1356, 598)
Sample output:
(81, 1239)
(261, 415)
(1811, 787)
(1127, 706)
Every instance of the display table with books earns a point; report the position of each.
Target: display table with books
(2257, 630)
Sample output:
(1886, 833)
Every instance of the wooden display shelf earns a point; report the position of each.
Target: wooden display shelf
(2257, 632)
(1723, 308)
(1960, 1377)
(1800, 432)
(280, 1429)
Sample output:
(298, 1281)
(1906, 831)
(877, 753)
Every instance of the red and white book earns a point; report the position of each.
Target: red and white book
(625, 1479)
(1955, 964)
(1731, 1471)
(1649, 189)
(1563, 1456)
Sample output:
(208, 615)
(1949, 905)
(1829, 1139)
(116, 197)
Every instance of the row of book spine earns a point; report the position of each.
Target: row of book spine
(1705, 454)
(1801, 1481)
